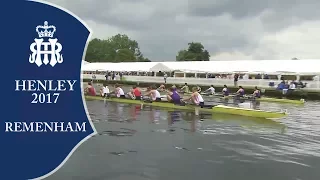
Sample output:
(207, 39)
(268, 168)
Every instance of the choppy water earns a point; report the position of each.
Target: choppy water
(151, 143)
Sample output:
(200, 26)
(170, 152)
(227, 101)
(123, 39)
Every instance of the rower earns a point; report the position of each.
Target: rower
(119, 92)
(256, 93)
(90, 90)
(240, 92)
(225, 91)
(154, 94)
(185, 88)
(198, 89)
(196, 97)
(104, 91)
(162, 87)
(135, 93)
(173, 96)
(211, 90)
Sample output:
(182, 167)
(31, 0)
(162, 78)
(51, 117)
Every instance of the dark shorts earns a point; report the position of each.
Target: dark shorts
(158, 100)
(138, 98)
(105, 95)
(201, 104)
(122, 96)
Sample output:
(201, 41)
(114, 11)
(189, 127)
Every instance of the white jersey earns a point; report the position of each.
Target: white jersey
(105, 90)
(120, 92)
(199, 99)
(156, 95)
(292, 86)
(212, 90)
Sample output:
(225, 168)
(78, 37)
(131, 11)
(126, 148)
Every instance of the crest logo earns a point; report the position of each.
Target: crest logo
(50, 48)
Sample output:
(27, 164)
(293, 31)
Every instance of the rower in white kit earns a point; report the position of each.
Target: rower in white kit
(104, 91)
(211, 90)
(195, 97)
(154, 94)
(119, 92)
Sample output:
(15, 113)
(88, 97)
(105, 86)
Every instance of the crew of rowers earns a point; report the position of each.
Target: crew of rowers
(152, 92)
(172, 93)
(225, 91)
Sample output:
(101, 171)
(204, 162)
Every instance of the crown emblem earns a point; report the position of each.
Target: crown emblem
(45, 30)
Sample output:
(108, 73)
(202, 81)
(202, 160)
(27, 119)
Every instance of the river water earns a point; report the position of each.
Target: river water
(160, 144)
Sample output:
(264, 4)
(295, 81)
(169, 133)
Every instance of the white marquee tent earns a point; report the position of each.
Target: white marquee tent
(136, 66)
(263, 66)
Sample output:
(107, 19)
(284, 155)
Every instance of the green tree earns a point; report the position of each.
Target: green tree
(181, 55)
(195, 52)
(118, 48)
(125, 55)
(195, 47)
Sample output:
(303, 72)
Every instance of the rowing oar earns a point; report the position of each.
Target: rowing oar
(217, 102)
(234, 96)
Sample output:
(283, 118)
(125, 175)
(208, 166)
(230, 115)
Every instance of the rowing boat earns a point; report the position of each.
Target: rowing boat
(262, 99)
(215, 109)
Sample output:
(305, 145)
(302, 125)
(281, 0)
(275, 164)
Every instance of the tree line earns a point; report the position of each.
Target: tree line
(120, 48)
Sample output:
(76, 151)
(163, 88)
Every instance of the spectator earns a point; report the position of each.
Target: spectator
(235, 79)
(113, 76)
(281, 85)
(316, 78)
(165, 76)
(120, 74)
(292, 86)
(286, 85)
(300, 84)
(93, 77)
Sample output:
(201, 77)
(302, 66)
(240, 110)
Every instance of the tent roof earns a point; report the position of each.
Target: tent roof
(266, 66)
(125, 66)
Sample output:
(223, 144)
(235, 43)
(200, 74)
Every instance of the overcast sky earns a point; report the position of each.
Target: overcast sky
(229, 29)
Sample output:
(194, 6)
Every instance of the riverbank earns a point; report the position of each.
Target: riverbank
(270, 92)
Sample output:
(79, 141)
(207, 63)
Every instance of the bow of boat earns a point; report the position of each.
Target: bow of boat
(248, 112)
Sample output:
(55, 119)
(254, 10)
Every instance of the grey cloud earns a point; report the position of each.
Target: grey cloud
(236, 8)
(163, 27)
(275, 14)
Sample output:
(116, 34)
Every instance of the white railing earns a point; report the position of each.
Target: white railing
(203, 81)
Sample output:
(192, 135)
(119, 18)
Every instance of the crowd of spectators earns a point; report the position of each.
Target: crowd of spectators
(284, 85)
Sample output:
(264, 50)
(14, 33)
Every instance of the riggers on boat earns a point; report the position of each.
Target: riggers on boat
(262, 99)
(265, 99)
(215, 109)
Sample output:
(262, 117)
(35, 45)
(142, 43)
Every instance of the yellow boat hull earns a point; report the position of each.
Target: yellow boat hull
(216, 109)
